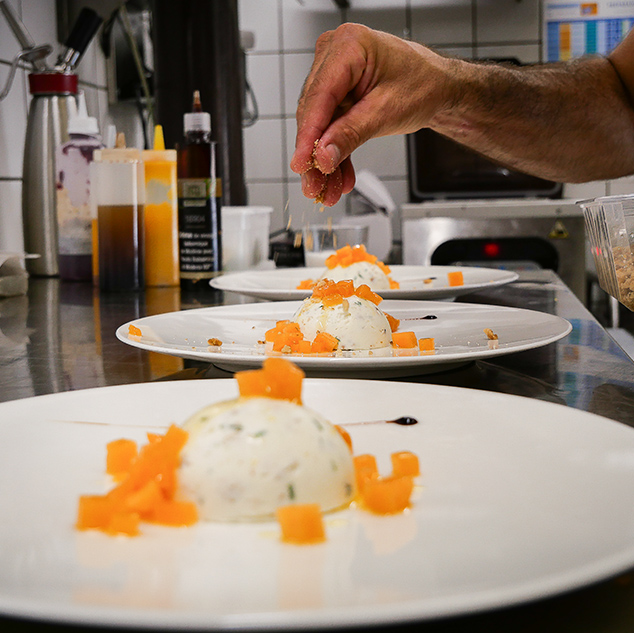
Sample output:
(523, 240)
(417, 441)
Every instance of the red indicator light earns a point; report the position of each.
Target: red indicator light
(492, 249)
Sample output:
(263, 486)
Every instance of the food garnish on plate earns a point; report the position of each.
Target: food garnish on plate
(356, 264)
(339, 317)
(261, 456)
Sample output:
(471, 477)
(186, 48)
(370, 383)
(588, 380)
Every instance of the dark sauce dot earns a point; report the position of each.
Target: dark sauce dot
(404, 421)
(430, 316)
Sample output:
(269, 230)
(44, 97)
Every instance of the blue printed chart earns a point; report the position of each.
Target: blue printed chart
(574, 29)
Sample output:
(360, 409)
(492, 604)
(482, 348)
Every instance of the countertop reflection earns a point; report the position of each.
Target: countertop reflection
(61, 337)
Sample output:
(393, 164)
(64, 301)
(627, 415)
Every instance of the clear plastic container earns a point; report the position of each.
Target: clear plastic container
(610, 230)
(245, 236)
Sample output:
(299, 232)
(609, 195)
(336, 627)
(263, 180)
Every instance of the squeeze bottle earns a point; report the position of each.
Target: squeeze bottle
(161, 214)
(118, 195)
(74, 228)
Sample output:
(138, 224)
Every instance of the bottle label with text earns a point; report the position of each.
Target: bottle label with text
(199, 230)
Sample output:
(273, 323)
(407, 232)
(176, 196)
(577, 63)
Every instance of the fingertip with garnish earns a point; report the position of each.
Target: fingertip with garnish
(313, 182)
(326, 157)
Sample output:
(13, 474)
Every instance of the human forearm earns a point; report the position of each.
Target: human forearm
(568, 122)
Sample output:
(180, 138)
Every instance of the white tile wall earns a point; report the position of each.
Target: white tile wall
(507, 21)
(8, 44)
(264, 155)
(39, 17)
(377, 16)
(11, 238)
(12, 126)
(296, 68)
(263, 73)
(303, 22)
(263, 21)
(437, 23)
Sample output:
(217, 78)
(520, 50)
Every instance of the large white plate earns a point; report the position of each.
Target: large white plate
(281, 284)
(519, 499)
(458, 331)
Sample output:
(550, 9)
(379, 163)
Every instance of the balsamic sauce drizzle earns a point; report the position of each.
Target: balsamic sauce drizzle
(405, 420)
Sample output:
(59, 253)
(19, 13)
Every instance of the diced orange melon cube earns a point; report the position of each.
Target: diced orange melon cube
(173, 512)
(251, 382)
(365, 468)
(393, 321)
(345, 435)
(404, 339)
(364, 292)
(426, 344)
(405, 463)
(284, 378)
(119, 456)
(278, 378)
(331, 300)
(124, 523)
(94, 512)
(144, 499)
(301, 524)
(455, 278)
(345, 287)
(305, 347)
(324, 343)
(387, 495)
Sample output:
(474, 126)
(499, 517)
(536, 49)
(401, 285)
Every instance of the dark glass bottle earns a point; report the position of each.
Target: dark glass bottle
(199, 205)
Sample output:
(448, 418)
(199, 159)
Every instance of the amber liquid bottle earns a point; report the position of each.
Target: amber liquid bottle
(199, 205)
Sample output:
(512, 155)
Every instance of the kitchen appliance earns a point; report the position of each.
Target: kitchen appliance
(513, 233)
(54, 90)
(440, 167)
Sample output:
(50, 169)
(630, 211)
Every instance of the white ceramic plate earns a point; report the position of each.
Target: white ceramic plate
(281, 284)
(458, 331)
(519, 499)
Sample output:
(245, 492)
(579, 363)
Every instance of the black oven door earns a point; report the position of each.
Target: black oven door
(440, 168)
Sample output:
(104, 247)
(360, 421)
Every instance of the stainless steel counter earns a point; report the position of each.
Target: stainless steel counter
(60, 337)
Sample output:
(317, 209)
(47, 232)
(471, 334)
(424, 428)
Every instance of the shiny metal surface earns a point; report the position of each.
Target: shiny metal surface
(61, 337)
(559, 223)
(47, 127)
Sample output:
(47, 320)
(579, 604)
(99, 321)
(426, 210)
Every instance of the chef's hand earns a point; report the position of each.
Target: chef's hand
(362, 84)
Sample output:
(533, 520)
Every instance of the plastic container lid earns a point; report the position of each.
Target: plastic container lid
(81, 123)
(118, 154)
